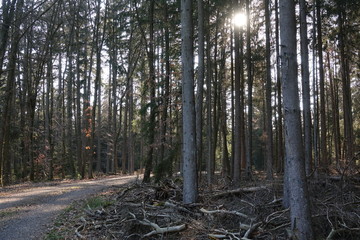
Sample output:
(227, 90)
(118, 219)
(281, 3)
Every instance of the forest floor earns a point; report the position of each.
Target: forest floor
(27, 210)
(254, 211)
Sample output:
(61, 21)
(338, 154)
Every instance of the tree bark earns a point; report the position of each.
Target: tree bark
(151, 128)
(295, 165)
(305, 86)
(237, 86)
(249, 147)
(268, 115)
(280, 141)
(49, 106)
(78, 118)
(315, 100)
(209, 73)
(10, 92)
(188, 103)
(346, 89)
(334, 90)
(323, 146)
(223, 112)
(200, 84)
(8, 9)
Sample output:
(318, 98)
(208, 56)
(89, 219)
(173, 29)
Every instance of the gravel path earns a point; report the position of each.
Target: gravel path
(27, 211)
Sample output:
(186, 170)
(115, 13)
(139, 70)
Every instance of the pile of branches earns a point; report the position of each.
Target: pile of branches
(155, 211)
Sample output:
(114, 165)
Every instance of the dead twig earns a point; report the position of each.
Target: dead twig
(334, 231)
(157, 228)
(135, 185)
(275, 201)
(280, 226)
(81, 227)
(178, 207)
(224, 234)
(275, 215)
(252, 228)
(226, 212)
(248, 203)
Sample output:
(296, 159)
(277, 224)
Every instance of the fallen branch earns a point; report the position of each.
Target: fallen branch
(172, 205)
(239, 190)
(275, 215)
(224, 234)
(135, 185)
(275, 201)
(336, 231)
(246, 202)
(226, 212)
(252, 228)
(244, 226)
(77, 230)
(280, 226)
(157, 228)
(218, 236)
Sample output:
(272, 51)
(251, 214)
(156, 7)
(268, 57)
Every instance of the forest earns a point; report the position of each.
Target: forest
(214, 90)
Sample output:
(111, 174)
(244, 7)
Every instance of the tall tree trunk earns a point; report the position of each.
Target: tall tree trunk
(61, 113)
(188, 102)
(28, 84)
(315, 100)
(249, 144)
(268, 124)
(200, 84)
(125, 152)
(98, 78)
(96, 121)
(165, 96)
(78, 119)
(280, 141)
(151, 127)
(94, 130)
(345, 75)
(10, 92)
(69, 106)
(237, 86)
(242, 98)
(131, 157)
(116, 164)
(88, 122)
(99, 119)
(295, 165)
(209, 119)
(232, 104)
(49, 106)
(7, 10)
(217, 100)
(111, 166)
(335, 111)
(222, 112)
(323, 146)
(87, 109)
(305, 86)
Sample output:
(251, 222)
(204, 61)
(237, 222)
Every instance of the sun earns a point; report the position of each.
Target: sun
(239, 19)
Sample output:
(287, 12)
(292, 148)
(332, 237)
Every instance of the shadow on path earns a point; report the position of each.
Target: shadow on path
(27, 213)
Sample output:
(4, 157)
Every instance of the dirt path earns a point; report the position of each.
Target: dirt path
(27, 210)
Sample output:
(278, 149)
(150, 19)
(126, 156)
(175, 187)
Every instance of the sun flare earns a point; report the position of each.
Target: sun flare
(239, 19)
